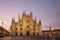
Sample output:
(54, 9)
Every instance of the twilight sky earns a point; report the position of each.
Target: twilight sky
(48, 11)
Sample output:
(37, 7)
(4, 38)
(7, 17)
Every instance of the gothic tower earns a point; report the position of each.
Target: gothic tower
(12, 29)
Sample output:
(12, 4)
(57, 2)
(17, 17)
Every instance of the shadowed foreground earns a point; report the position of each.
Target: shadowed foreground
(30, 38)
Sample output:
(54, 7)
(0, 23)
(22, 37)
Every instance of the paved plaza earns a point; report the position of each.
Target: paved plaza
(29, 38)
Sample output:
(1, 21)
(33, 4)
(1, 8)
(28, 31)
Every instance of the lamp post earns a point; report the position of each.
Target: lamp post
(2, 23)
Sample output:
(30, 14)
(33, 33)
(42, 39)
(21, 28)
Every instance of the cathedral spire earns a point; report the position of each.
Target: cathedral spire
(31, 14)
(35, 19)
(19, 17)
(24, 13)
(40, 22)
(13, 20)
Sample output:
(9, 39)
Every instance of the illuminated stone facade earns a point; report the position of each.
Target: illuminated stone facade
(25, 26)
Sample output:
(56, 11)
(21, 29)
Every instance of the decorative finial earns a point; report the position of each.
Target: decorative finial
(30, 13)
(13, 20)
(40, 22)
(19, 17)
(24, 13)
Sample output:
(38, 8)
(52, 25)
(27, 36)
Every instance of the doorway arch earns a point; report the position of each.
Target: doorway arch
(27, 33)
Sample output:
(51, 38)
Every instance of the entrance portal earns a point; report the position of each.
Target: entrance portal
(27, 33)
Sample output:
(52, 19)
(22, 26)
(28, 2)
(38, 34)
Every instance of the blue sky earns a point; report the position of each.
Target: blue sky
(44, 10)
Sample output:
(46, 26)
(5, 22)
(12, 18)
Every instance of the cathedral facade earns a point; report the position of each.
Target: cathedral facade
(25, 26)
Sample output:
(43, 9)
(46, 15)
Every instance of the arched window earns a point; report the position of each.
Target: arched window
(34, 29)
(27, 21)
(16, 28)
(34, 26)
(20, 28)
(27, 26)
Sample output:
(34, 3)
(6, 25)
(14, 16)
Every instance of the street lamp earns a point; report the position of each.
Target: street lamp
(2, 23)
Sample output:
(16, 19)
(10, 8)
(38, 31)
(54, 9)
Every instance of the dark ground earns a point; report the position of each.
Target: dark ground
(30, 38)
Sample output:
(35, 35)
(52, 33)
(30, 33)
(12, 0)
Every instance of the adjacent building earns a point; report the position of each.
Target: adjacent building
(3, 32)
(54, 32)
